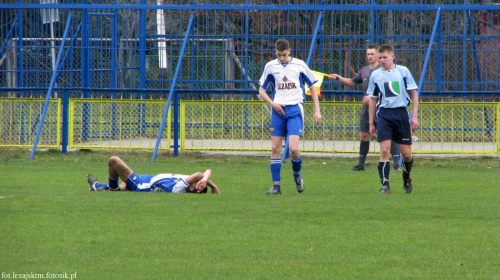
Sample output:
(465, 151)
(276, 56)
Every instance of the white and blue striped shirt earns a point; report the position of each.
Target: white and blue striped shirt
(287, 80)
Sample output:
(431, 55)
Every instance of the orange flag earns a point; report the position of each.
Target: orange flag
(317, 85)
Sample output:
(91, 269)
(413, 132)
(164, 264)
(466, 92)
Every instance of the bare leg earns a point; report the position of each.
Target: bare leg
(118, 168)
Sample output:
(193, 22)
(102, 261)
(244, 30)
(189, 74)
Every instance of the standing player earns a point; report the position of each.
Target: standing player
(391, 89)
(362, 77)
(287, 77)
(170, 183)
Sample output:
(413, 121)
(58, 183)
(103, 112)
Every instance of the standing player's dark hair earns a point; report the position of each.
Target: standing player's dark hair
(372, 46)
(282, 45)
(385, 48)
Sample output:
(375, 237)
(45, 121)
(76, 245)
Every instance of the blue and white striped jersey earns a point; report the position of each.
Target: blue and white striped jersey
(287, 81)
(391, 87)
(169, 183)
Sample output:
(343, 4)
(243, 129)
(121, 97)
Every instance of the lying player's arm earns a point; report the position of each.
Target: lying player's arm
(202, 183)
(214, 187)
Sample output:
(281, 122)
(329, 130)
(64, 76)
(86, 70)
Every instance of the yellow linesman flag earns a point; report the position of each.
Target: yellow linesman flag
(317, 85)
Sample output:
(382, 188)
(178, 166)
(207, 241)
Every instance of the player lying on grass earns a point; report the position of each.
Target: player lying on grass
(167, 182)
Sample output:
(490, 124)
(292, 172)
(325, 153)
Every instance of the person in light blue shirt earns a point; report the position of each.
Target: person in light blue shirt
(391, 89)
(363, 77)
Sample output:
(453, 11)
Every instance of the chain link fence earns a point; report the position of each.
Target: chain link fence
(19, 121)
(458, 128)
(117, 124)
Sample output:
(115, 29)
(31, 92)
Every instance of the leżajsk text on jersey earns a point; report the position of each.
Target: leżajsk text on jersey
(287, 81)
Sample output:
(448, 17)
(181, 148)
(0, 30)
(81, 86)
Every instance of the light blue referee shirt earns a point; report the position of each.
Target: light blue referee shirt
(391, 87)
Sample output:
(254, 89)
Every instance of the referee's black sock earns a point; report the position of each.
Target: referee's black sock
(407, 166)
(364, 147)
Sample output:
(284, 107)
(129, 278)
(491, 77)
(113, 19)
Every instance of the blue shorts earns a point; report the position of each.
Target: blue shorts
(292, 123)
(394, 124)
(138, 183)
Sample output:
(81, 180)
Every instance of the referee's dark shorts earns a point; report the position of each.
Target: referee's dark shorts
(394, 124)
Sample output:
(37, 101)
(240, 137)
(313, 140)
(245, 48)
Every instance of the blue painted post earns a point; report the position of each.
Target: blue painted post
(439, 64)
(65, 123)
(171, 93)
(85, 76)
(8, 37)
(177, 126)
(19, 52)
(142, 68)
(464, 54)
(372, 23)
(474, 51)
(247, 31)
(437, 24)
(113, 78)
(53, 80)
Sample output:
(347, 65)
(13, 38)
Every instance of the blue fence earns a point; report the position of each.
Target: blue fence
(131, 49)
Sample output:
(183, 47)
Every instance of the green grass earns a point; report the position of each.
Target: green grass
(339, 228)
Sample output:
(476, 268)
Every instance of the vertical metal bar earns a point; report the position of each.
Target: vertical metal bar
(171, 93)
(372, 24)
(55, 74)
(65, 122)
(8, 37)
(437, 25)
(85, 74)
(474, 51)
(464, 54)
(20, 69)
(142, 49)
(176, 127)
(142, 68)
(247, 22)
(439, 62)
(113, 73)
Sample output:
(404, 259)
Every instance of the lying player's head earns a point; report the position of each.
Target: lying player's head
(282, 50)
(192, 189)
(371, 53)
(386, 56)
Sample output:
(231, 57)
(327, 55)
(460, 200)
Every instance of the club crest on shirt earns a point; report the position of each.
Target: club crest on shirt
(286, 85)
(392, 89)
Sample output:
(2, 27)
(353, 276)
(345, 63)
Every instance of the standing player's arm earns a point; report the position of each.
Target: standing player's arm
(371, 115)
(277, 107)
(317, 112)
(414, 112)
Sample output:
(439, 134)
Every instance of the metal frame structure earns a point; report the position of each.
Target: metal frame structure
(112, 47)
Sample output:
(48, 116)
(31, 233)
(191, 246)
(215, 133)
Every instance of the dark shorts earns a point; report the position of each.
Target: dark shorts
(394, 124)
(364, 125)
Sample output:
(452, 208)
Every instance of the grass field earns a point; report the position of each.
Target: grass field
(339, 228)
